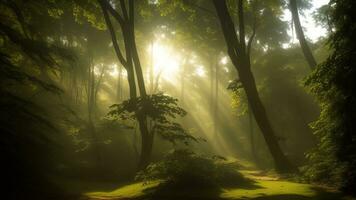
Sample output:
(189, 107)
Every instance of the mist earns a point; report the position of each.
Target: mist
(177, 99)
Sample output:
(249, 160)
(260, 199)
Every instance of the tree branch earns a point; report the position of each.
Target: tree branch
(112, 11)
(228, 27)
(250, 40)
(123, 8)
(113, 36)
(241, 25)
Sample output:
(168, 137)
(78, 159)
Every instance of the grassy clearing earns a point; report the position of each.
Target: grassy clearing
(265, 186)
(262, 190)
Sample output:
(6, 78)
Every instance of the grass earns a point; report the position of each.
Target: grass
(126, 192)
(269, 188)
(263, 190)
(265, 186)
(272, 187)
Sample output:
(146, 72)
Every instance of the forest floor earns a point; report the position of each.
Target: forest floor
(265, 186)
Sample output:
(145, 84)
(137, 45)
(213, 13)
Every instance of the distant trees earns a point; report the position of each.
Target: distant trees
(28, 60)
(293, 6)
(239, 53)
(55, 58)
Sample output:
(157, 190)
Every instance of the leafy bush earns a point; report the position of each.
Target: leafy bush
(185, 169)
(334, 83)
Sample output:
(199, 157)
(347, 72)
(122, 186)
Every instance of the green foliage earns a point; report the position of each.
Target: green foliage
(184, 169)
(161, 109)
(88, 11)
(322, 17)
(334, 84)
(239, 98)
(29, 61)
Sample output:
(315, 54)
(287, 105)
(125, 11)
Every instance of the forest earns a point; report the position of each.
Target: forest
(178, 99)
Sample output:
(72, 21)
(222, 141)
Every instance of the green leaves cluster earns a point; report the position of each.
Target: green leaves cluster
(161, 110)
(334, 84)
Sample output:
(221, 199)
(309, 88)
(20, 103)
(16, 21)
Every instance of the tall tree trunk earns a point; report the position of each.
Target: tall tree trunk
(152, 68)
(182, 80)
(211, 103)
(147, 136)
(249, 85)
(252, 137)
(216, 105)
(133, 66)
(240, 59)
(119, 95)
(91, 111)
(300, 34)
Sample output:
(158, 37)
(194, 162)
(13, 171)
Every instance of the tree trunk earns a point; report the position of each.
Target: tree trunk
(182, 80)
(146, 143)
(211, 102)
(300, 34)
(216, 106)
(248, 83)
(133, 67)
(252, 138)
(240, 59)
(91, 111)
(151, 75)
(146, 135)
(119, 92)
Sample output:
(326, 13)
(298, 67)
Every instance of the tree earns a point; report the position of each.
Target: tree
(239, 53)
(132, 65)
(157, 109)
(300, 34)
(27, 61)
(334, 83)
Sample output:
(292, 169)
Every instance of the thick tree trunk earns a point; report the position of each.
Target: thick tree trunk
(146, 135)
(216, 105)
(240, 59)
(133, 67)
(91, 112)
(252, 137)
(182, 80)
(119, 92)
(151, 72)
(211, 103)
(248, 83)
(146, 143)
(300, 34)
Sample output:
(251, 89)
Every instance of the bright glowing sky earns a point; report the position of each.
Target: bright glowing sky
(312, 31)
(167, 61)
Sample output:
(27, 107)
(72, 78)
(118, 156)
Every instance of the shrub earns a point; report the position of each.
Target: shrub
(185, 169)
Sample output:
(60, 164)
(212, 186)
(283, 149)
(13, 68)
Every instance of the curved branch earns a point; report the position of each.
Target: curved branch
(124, 10)
(112, 11)
(250, 40)
(241, 25)
(113, 36)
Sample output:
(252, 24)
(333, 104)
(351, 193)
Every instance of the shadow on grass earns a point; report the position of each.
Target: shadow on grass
(193, 190)
(320, 194)
(165, 193)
